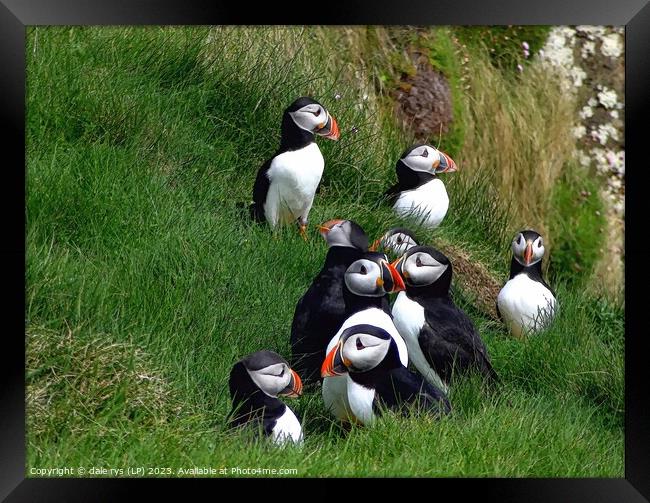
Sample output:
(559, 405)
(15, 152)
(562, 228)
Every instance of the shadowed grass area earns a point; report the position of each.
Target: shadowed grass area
(141, 144)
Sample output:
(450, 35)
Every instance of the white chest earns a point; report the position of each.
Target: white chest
(427, 204)
(294, 178)
(287, 428)
(525, 305)
(409, 319)
(335, 397)
(361, 400)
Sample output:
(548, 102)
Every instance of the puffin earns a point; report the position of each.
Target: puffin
(285, 186)
(377, 379)
(526, 304)
(367, 282)
(419, 194)
(396, 241)
(321, 310)
(441, 338)
(255, 383)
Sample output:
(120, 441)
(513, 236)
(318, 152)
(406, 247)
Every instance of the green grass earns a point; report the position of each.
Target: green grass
(145, 284)
(504, 43)
(579, 223)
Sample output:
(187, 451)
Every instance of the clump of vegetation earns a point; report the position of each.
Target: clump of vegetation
(507, 46)
(383, 61)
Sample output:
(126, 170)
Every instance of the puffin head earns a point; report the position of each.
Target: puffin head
(424, 266)
(268, 372)
(360, 348)
(344, 233)
(396, 241)
(528, 247)
(309, 115)
(427, 159)
(372, 276)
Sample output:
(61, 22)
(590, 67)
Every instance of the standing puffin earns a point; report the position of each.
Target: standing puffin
(321, 310)
(419, 194)
(255, 383)
(395, 241)
(441, 338)
(367, 282)
(286, 184)
(526, 303)
(376, 376)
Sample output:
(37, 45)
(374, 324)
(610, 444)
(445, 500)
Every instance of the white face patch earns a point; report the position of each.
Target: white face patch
(424, 158)
(364, 351)
(519, 245)
(339, 235)
(311, 117)
(398, 243)
(422, 269)
(272, 379)
(361, 278)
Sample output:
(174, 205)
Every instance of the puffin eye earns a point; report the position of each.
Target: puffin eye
(539, 243)
(316, 113)
(363, 270)
(399, 240)
(519, 239)
(360, 345)
(418, 262)
(425, 153)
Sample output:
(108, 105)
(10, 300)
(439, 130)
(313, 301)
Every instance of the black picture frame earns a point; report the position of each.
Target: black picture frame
(16, 15)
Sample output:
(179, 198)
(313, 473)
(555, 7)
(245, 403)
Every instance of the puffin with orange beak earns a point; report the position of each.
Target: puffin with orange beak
(376, 378)
(321, 310)
(255, 383)
(286, 184)
(367, 282)
(526, 304)
(419, 194)
(442, 340)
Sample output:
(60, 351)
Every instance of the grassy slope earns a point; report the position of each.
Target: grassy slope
(137, 154)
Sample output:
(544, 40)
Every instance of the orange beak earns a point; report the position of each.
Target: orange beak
(295, 388)
(333, 364)
(528, 253)
(325, 227)
(397, 266)
(446, 165)
(396, 281)
(330, 130)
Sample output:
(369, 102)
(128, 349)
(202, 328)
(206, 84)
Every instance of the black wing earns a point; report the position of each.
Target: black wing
(386, 307)
(450, 342)
(392, 193)
(260, 190)
(317, 317)
(499, 312)
(402, 389)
